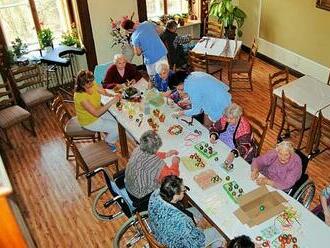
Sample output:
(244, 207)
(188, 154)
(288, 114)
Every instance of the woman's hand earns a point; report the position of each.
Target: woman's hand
(213, 139)
(230, 158)
(167, 93)
(133, 81)
(171, 153)
(117, 97)
(175, 160)
(262, 180)
(254, 174)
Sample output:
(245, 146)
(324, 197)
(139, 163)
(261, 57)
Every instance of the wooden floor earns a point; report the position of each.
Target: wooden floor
(55, 204)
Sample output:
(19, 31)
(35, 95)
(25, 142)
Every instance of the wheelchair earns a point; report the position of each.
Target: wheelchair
(304, 189)
(130, 233)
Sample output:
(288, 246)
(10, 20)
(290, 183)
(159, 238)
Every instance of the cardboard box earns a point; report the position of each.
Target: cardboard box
(259, 205)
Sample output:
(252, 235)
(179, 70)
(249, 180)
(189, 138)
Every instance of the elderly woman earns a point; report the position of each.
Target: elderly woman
(280, 168)
(162, 77)
(120, 72)
(172, 224)
(146, 169)
(90, 113)
(235, 131)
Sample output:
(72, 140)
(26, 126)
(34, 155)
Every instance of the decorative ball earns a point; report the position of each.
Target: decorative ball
(205, 150)
(130, 116)
(236, 186)
(294, 240)
(227, 178)
(216, 159)
(240, 190)
(261, 208)
(234, 193)
(206, 145)
(230, 188)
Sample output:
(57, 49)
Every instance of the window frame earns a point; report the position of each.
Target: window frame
(166, 7)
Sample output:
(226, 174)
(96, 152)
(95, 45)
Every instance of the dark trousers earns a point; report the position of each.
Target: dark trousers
(141, 204)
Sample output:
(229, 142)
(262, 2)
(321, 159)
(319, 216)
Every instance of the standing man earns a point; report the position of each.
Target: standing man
(146, 41)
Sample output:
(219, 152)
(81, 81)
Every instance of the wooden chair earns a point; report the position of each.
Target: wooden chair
(92, 156)
(29, 83)
(243, 67)
(12, 114)
(276, 80)
(321, 136)
(259, 132)
(212, 28)
(70, 126)
(199, 62)
(293, 115)
(328, 83)
(153, 243)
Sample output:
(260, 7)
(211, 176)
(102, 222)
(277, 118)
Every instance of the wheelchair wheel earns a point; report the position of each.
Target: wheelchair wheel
(130, 234)
(98, 209)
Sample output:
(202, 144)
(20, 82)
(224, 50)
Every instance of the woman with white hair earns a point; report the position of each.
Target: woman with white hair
(235, 131)
(280, 168)
(161, 78)
(146, 169)
(120, 72)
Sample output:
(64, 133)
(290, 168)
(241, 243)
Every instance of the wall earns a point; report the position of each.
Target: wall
(100, 13)
(294, 32)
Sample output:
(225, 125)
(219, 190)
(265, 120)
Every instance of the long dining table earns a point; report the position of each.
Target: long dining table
(214, 202)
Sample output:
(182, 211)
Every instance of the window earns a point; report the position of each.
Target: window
(18, 19)
(156, 8)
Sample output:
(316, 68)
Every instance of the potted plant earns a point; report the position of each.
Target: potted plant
(19, 48)
(231, 16)
(71, 38)
(45, 37)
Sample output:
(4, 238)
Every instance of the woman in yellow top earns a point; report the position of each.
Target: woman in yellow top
(90, 113)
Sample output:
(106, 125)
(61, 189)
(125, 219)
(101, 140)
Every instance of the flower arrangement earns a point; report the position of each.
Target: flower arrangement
(120, 36)
(71, 37)
(19, 48)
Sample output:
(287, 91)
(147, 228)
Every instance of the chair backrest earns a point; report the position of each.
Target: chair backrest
(100, 71)
(212, 28)
(259, 131)
(323, 131)
(294, 114)
(26, 76)
(198, 62)
(61, 112)
(153, 243)
(278, 79)
(6, 95)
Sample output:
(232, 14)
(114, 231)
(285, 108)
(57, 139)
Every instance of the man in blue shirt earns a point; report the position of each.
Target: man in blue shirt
(146, 41)
(207, 94)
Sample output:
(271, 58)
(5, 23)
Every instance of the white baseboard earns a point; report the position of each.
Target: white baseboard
(293, 60)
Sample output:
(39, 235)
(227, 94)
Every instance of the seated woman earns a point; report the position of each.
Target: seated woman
(90, 113)
(120, 72)
(323, 210)
(281, 168)
(161, 78)
(172, 224)
(235, 131)
(146, 169)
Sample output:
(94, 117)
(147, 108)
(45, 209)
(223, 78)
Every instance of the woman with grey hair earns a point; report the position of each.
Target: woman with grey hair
(281, 167)
(146, 169)
(235, 131)
(162, 77)
(120, 72)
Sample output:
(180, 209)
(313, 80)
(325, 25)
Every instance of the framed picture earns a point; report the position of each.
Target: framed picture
(323, 4)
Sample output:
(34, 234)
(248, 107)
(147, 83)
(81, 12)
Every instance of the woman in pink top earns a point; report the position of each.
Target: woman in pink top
(280, 168)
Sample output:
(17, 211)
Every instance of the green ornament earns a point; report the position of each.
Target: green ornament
(262, 208)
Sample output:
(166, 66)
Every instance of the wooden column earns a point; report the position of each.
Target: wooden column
(10, 234)
(87, 33)
(35, 15)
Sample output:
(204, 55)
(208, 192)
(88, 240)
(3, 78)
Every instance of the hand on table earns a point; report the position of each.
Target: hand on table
(167, 93)
(175, 160)
(213, 139)
(262, 180)
(133, 81)
(230, 158)
(171, 153)
(254, 174)
(117, 97)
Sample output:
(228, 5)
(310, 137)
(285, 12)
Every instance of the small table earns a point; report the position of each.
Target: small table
(218, 49)
(306, 90)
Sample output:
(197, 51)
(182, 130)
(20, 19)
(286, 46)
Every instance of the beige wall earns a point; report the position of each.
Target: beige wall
(295, 25)
(100, 13)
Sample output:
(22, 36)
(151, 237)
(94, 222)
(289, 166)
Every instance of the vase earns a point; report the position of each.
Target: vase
(128, 52)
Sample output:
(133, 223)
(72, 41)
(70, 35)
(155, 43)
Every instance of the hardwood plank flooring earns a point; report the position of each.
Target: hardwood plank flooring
(55, 204)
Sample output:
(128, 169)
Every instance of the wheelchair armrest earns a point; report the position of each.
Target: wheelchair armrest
(119, 179)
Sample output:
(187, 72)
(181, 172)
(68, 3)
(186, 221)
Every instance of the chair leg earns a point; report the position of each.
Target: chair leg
(32, 126)
(89, 186)
(8, 142)
(250, 80)
(300, 138)
(77, 169)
